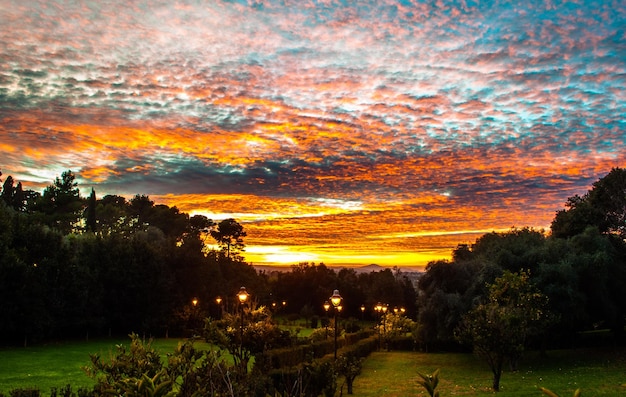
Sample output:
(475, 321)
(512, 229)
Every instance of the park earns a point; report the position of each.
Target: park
(518, 313)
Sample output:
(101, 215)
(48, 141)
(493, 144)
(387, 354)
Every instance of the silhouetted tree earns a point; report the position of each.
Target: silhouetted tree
(90, 213)
(604, 207)
(229, 235)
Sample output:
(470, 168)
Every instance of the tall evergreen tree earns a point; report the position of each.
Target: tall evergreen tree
(90, 212)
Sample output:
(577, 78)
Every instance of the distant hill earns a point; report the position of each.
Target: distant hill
(358, 269)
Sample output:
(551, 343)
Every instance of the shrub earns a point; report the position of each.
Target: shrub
(315, 322)
(25, 392)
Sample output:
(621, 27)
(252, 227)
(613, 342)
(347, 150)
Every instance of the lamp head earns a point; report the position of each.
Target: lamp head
(242, 295)
(336, 298)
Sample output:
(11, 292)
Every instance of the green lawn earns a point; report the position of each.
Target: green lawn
(56, 365)
(596, 373)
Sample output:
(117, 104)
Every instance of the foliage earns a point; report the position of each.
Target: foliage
(430, 383)
(140, 360)
(246, 334)
(349, 366)
(157, 386)
(72, 262)
(604, 207)
(499, 328)
(229, 235)
(445, 295)
(70, 265)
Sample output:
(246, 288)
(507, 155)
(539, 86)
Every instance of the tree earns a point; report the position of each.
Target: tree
(500, 328)
(349, 366)
(90, 212)
(245, 336)
(13, 197)
(113, 215)
(229, 235)
(61, 203)
(441, 300)
(604, 206)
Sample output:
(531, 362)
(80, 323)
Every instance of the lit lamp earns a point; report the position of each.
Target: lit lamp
(193, 316)
(379, 310)
(218, 300)
(384, 308)
(336, 299)
(243, 297)
(326, 309)
(362, 312)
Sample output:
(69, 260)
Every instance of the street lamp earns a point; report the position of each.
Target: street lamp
(194, 315)
(362, 312)
(326, 308)
(384, 308)
(379, 309)
(336, 299)
(243, 297)
(218, 300)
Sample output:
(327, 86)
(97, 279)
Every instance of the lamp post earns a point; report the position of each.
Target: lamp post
(379, 309)
(336, 299)
(193, 317)
(385, 307)
(362, 312)
(243, 297)
(218, 300)
(326, 308)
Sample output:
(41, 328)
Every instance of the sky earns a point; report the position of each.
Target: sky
(339, 132)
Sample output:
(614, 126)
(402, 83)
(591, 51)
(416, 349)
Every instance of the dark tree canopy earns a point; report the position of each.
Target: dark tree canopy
(229, 235)
(604, 207)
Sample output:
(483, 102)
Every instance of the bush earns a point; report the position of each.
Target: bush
(25, 392)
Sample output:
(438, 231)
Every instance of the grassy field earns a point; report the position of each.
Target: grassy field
(391, 374)
(595, 372)
(56, 365)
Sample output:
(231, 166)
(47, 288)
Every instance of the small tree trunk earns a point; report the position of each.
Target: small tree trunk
(497, 374)
(349, 381)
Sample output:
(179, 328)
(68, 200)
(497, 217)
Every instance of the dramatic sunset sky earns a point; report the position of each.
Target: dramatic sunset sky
(343, 132)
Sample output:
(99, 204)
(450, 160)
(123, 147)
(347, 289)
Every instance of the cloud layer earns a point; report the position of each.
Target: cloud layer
(384, 133)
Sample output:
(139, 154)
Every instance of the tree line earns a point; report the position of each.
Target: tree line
(578, 270)
(75, 266)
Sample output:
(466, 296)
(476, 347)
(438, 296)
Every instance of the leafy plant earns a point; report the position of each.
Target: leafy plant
(349, 366)
(430, 383)
(157, 386)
